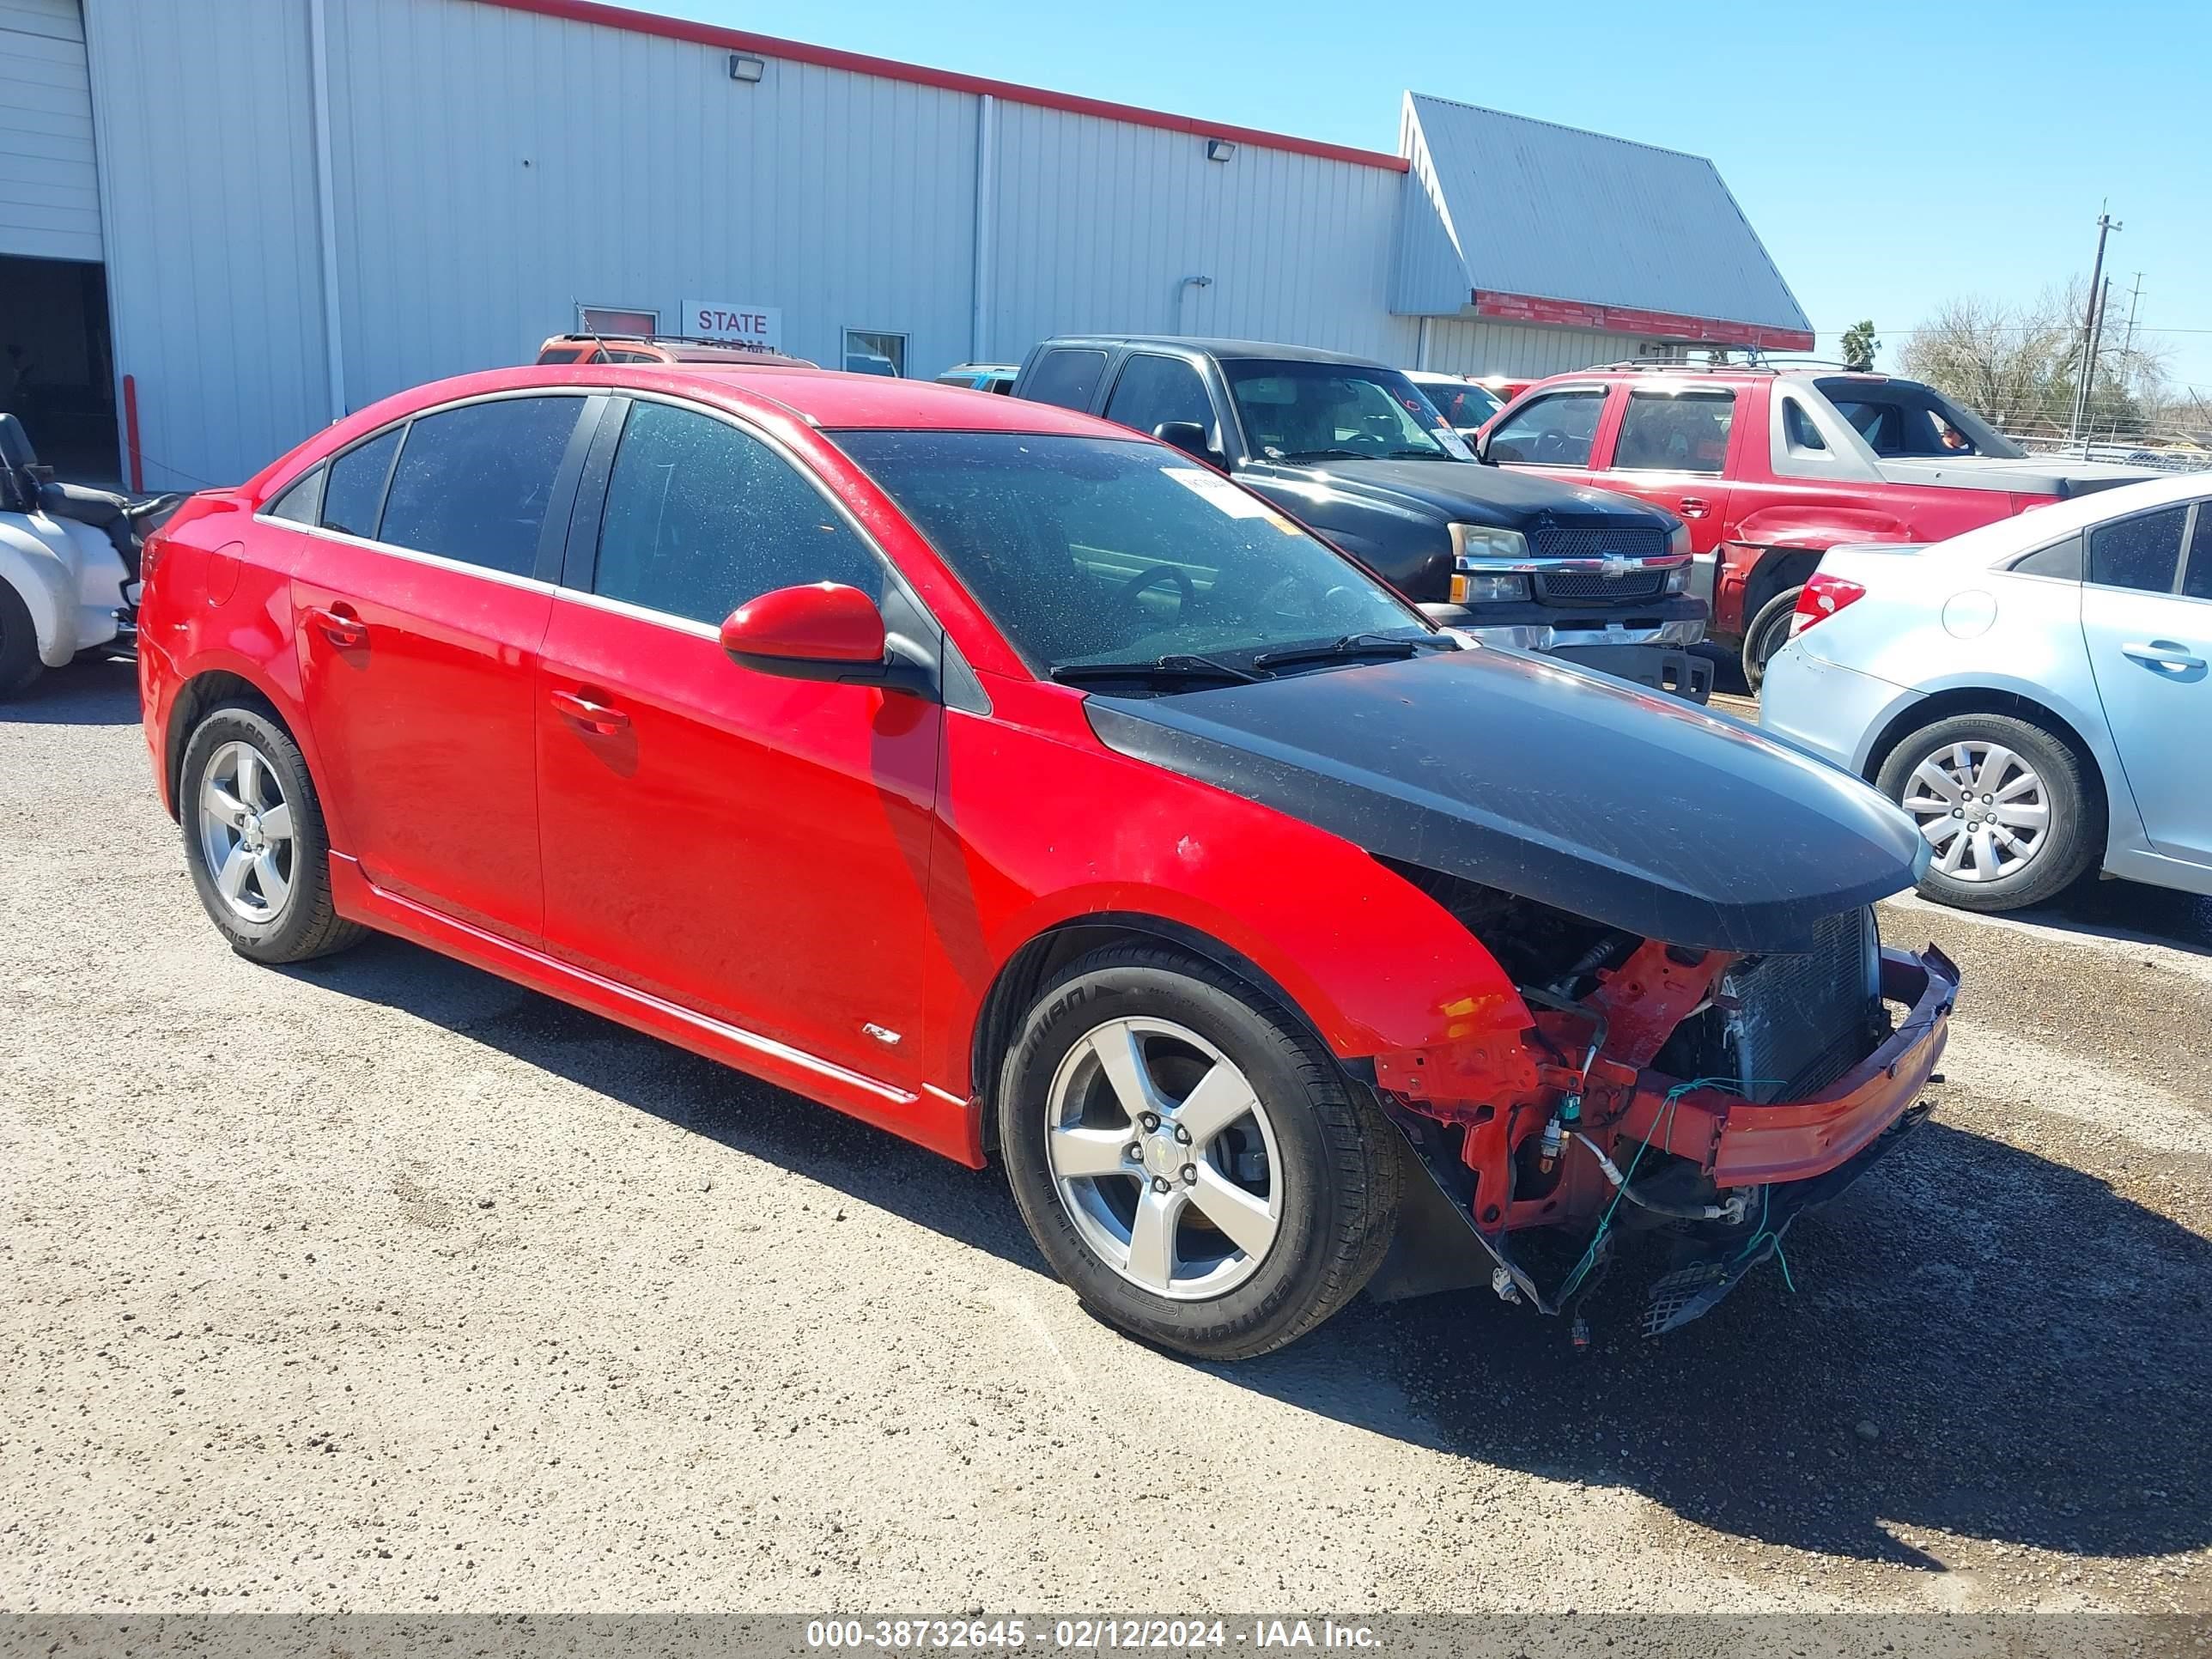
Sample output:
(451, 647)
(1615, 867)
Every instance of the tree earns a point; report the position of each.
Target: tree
(1860, 345)
(2017, 366)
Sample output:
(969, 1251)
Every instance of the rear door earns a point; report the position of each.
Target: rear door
(2146, 619)
(421, 597)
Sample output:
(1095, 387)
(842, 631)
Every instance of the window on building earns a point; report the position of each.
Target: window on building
(1685, 432)
(1152, 391)
(2144, 552)
(868, 352)
(474, 483)
(355, 494)
(1554, 431)
(701, 516)
(1067, 376)
(617, 319)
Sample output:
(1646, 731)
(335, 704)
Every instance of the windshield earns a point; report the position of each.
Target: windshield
(1088, 550)
(1296, 411)
(1903, 419)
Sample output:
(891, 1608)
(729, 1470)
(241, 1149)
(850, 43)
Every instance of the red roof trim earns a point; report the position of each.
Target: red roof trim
(769, 45)
(1626, 319)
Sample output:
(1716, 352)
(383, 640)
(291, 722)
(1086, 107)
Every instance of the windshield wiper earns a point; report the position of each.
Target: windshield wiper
(1176, 665)
(1350, 646)
(1329, 455)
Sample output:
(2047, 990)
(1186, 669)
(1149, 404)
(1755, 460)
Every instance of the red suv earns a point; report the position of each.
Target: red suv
(1021, 785)
(1772, 466)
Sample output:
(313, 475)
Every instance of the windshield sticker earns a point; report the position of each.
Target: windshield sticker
(1212, 487)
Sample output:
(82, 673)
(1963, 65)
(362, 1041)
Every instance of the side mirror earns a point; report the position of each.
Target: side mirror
(819, 631)
(1189, 437)
(1481, 444)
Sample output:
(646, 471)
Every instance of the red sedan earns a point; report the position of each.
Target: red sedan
(1018, 784)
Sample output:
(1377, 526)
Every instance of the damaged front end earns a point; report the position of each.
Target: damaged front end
(1714, 1094)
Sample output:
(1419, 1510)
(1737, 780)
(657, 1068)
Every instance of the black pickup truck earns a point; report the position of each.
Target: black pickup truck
(1354, 452)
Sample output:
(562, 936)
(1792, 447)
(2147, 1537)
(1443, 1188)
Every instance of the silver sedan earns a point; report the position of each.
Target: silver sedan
(2032, 693)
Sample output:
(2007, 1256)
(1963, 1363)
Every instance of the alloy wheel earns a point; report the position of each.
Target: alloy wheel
(246, 832)
(1164, 1157)
(1983, 807)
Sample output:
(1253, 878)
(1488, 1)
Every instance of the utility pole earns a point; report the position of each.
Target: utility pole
(2135, 299)
(2106, 225)
(2104, 308)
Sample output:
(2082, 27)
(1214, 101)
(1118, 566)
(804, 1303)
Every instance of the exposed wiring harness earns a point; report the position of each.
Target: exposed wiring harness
(1662, 1128)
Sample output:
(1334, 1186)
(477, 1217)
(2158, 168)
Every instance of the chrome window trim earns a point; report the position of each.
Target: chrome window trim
(437, 561)
(399, 422)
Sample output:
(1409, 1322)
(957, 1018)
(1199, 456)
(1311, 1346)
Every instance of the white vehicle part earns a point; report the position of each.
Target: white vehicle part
(70, 577)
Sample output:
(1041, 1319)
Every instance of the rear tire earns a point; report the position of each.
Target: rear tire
(19, 643)
(1304, 1176)
(1768, 632)
(2057, 812)
(254, 839)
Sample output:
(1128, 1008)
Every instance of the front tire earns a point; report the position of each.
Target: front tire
(1768, 632)
(254, 839)
(2009, 807)
(1191, 1161)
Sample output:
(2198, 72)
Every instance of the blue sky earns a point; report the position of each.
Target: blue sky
(1891, 156)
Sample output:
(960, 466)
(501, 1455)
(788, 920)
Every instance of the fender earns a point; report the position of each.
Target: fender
(1817, 528)
(1372, 964)
(47, 572)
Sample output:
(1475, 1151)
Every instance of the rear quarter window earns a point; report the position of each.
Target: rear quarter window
(1067, 376)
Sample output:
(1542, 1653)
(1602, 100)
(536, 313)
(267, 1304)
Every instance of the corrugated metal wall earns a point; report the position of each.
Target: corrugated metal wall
(1463, 345)
(481, 194)
(492, 168)
(49, 183)
(215, 292)
(1099, 221)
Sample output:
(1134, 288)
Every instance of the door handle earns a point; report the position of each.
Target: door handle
(1694, 507)
(592, 716)
(338, 625)
(2163, 653)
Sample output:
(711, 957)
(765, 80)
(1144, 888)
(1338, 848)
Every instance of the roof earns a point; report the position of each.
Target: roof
(1229, 349)
(1525, 221)
(800, 51)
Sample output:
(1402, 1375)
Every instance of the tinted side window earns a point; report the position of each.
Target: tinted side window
(2143, 552)
(1797, 427)
(1554, 431)
(2061, 560)
(1687, 433)
(1067, 377)
(2197, 582)
(355, 490)
(473, 483)
(302, 503)
(1155, 390)
(700, 518)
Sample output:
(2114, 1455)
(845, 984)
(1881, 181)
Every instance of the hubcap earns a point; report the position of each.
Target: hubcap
(1983, 808)
(1164, 1157)
(246, 832)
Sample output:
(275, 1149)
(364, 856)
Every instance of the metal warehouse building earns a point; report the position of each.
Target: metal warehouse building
(224, 222)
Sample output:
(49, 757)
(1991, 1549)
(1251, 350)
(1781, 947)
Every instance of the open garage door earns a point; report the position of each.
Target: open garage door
(49, 182)
(56, 368)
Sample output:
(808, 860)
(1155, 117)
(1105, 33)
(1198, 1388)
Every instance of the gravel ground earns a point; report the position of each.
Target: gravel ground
(382, 1284)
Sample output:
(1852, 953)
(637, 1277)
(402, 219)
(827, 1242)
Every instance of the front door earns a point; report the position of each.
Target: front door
(752, 848)
(2147, 619)
(419, 608)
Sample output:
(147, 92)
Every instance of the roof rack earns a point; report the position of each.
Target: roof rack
(1753, 361)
